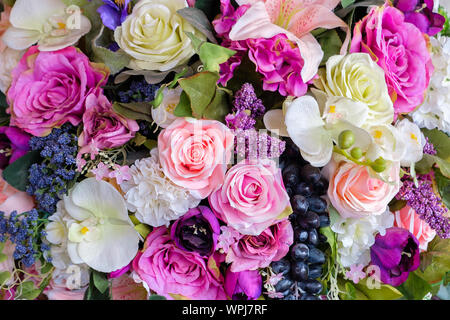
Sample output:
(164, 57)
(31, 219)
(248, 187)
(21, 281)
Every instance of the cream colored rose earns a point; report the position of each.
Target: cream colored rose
(154, 35)
(9, 58)
(357, 77)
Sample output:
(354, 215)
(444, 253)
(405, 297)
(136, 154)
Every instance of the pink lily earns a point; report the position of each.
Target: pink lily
(296, 19)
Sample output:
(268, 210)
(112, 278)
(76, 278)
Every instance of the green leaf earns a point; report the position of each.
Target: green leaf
(435, 262)
(414, 288)
(79, 3)
(4, 276)
(385, 292)
(16, 174)
(27, 291)
(440, 141)
(134, 110)
(444, 166)
(143, 230)
(443, 185)
(331, 239)
(100, 281)
(92, 293)
(183, 109)
(3, 257)
(156, 297)
(346, 3)
(334, 215)
(219, 107)
(46, 268)
(200, 89)
(198, 20)
(213, 56)
(150, 144)
(331, 44)
(425, 165)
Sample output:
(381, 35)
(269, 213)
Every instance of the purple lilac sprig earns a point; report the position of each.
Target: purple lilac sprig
(25, 231)
(139, 91)
(425, 202)
(246, 100)
(251, 144)
(429, 148)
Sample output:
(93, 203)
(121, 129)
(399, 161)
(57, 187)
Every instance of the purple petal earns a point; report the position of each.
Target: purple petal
(110, 16)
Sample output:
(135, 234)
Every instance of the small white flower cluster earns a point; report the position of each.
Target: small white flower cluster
(152, 196)
(356, 236)
(435, 111)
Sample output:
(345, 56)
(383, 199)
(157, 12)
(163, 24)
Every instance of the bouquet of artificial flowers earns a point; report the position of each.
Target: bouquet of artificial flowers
(224, 149)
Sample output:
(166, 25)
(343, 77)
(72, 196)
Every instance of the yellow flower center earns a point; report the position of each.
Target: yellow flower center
(84, 230)
(377, 134)
(332, 109)
(414, 137)
(61, 25)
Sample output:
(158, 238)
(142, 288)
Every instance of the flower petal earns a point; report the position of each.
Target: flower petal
(32, 14)
(20, 39)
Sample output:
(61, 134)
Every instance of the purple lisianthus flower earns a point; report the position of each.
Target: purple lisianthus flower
(114, 12)
(197, 231)
(420, 13)
(118, 273)
(244, 285)
(396, 254)
(13, 145)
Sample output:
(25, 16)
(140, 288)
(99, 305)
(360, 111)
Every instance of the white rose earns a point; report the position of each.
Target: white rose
(154, 35)
(163, 115)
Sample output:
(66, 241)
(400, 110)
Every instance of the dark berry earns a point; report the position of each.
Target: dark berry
(283, 285)
(300, 271)
(316, 256)
(299, 252)
(313, 237)
(322, 238)
(291, 175)
(315, 271)
(299, 204)
(313, 286)
(310, 174)
(312, 219)
(321, 186)
(301, 235)
(302, 222)
(282, 266)
(318, 205)
(324, 221)
(309, 297)
(290, 297)
(304, 189)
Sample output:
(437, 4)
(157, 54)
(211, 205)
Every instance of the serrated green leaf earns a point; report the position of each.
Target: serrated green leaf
(4, 276)
(183, 108)
(213, 56)
(100, 281)
(16, 174)
(27, 291)
(425, 164)
(443, 185)
(198, 20)
(219, 107)
(134, 110)
(200, 89)
(440, 141)
(384, 292)
(435, 262)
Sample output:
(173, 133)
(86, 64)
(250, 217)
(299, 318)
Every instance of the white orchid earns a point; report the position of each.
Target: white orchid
(102, 235)
(49, 23)
(414, 141)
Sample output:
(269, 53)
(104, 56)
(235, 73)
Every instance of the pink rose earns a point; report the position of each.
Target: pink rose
(400, 49)
(49, 89)
(252, 197)
(102, 127)
(254, 252)
(355, 194)
(408, 219)
(171, 271)
(194, 154)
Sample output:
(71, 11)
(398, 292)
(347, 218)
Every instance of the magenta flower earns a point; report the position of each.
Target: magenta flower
(197, 231)
(420, 13)
(396, 254)
(13, 145)
(245, 285)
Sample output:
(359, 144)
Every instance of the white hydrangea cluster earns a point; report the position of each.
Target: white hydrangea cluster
(435, 111)
(356, 236)
(152, 196)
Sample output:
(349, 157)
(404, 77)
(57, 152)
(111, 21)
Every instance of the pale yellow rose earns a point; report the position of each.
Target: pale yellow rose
(154, 35)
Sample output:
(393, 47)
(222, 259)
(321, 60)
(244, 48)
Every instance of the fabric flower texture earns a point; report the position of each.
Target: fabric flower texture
(102, 235)
(396, 254)
(400, 49)
(152, 196)
(252, 197)
(194, 154)
(173, 272)
(102, 127)
(356, 194)
(13, 145)
(245, 285)
(154, 35)
(420, 13)
(254, 252)
(49, 23)
(50, 88)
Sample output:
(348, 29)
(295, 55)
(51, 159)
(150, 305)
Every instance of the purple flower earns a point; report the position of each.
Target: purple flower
(13, 145)
(420, 13)
(114, 12)
(396, 254)
(244, 285)
(197, 231)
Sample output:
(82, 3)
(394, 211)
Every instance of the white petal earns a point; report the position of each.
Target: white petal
(72, 250)
(20, 39)
(32, 14)
(274, 120)
(50, 43)
(116, 248)
(312, 55)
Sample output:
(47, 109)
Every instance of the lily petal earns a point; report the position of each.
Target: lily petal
(274, 120)
(32, 14)
(20, 39)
